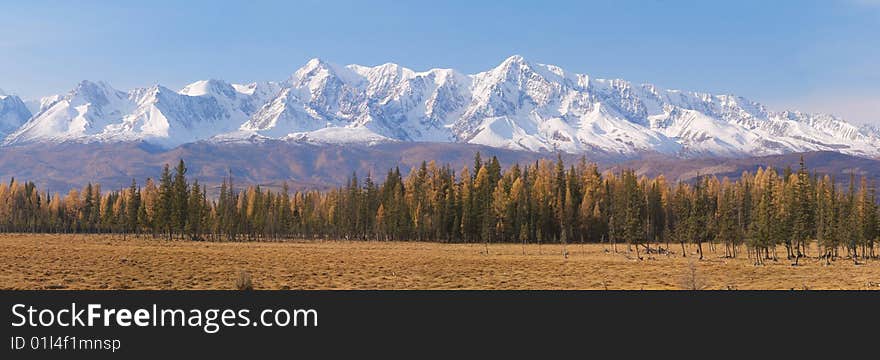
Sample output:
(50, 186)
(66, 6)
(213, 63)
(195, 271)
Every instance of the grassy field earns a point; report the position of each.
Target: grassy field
(104, 262)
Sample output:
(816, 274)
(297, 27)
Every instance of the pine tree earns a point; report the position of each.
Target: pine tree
(179, 199)
(871, 221)
(698, 219)
(482, 207)
(728, 227)
(165, 203)
(469, 219)
(88, 208)
(194, 212)
(656, 219)
(501, 213)
(848, 223)
(478, 164)
(802, 212)
(633, 211)
(133, 207)
(765, 224)
(286, 214)
(867, 217)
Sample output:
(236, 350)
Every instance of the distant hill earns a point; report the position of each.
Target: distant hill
(822, 162)
(61, 167)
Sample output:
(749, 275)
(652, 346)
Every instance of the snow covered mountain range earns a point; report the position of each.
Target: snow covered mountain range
(517, 105)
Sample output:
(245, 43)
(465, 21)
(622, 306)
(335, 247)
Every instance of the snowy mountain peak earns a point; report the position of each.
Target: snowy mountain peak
(518, 104)
(315, 67)
(516, 66)
(13, 113)
(314, 63)
(208, 87)
(94, 93)
(511, 66)
(514, 60)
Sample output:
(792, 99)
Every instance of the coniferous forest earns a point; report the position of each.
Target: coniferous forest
(761, 213)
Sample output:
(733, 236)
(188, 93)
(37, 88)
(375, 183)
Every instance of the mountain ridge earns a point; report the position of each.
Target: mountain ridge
(517, 105)
(270, 163)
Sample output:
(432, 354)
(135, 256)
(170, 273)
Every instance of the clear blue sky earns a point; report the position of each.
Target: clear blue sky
(811, 55)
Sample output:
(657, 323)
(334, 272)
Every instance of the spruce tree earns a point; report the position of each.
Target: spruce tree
(194, 212)
(179, 199)
(133, 207)
(802, 212)
(164, 207)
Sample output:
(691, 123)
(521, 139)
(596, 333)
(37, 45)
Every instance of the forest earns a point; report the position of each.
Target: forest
(543, 202)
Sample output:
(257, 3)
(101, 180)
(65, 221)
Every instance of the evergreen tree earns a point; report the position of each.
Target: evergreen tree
(728, 226)
(802, 212)
(194, 212)
(133, 207)
(88, 209)
(179, 199)
(540, 202)
(165, 204)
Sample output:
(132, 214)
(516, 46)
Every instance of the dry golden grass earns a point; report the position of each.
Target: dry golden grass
(104, 262)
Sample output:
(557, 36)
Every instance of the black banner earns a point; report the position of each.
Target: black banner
(330, 324)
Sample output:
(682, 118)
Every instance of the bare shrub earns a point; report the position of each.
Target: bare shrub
(244, 282)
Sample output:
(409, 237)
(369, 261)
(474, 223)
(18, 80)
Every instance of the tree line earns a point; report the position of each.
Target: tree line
(542, 202)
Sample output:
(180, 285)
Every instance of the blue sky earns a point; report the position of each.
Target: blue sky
(809, 55)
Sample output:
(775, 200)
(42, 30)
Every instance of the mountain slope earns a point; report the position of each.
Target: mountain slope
(518, 105)
(95, 112)
(838, 165)
(62, 167)
(13, 113)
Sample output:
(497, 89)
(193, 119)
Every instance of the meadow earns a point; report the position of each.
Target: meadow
(62, 261)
